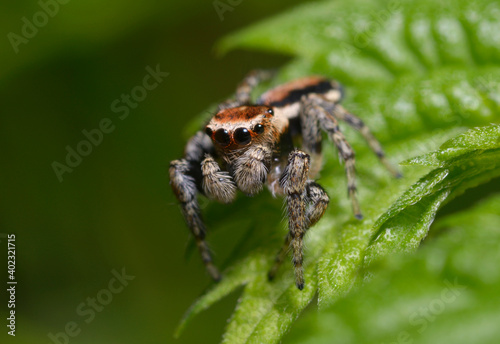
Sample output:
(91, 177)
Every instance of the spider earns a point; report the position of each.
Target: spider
(246, 145)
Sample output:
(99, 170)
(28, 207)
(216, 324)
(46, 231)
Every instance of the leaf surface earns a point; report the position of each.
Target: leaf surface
(419, 74)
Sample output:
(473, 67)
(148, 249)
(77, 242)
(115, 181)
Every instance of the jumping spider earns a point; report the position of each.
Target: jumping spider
(246, 145)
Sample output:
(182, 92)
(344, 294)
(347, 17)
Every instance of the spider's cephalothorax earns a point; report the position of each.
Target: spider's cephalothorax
(248, 145)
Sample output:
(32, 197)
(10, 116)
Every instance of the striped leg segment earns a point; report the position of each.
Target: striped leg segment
(358, 124)
(317, 201)
(293, 182)
(312, 141)
(328, 123)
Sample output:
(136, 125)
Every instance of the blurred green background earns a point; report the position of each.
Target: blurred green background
(114, 210)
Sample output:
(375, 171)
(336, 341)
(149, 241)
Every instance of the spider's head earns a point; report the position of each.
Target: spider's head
(236, 129)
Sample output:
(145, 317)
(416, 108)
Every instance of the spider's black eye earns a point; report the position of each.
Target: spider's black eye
(222, 137)
(258, 129)
(208, 131)
(242, 136)
(270, 111)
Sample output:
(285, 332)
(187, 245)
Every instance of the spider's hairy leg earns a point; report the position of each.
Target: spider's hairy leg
(252, 79)
(311, 141)
(317, 200)
(245, 88)
(184, 188)
(293, 182)
(311, 107)
(251, 168)
(217, 184)
(184, 179)
(341, 113)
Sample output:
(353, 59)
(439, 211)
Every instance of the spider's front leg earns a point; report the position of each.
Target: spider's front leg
(184, 188)
(299, 191)
(245, 88)
(317, 201)
(293, 183)
(184, 180)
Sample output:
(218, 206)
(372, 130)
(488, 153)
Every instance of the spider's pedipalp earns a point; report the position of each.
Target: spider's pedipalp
(217, 184)
(251, 168)
(185, 190)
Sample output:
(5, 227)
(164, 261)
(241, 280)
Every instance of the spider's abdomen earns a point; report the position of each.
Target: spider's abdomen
(291, 92)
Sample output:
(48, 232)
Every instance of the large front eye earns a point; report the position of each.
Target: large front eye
(222, 137)
(242, 136)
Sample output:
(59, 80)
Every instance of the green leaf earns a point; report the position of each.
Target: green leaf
(470, 143)
(466, 160)
(376, 39)
(438, 295)
(423, 74)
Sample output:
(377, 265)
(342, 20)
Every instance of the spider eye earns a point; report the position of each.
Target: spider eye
(208, 131)
(242, 136)
(270, 111)
(222, 137)
(258, 129)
